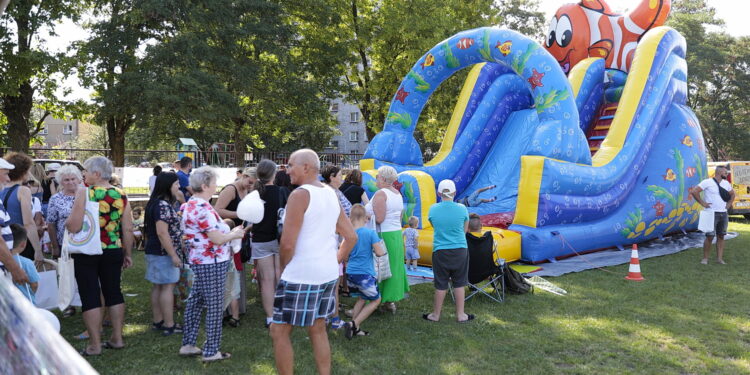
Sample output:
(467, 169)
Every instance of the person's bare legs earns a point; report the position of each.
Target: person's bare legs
(166, 300)
(267, 277)
(720, 248)
(707, 248)
(282, 348)
(234, 309)
(156, 305)
(117, 316)
(92, 319)
(437, 307)
(321, 347)
(363, 310)
(276, 270)
(414, 264)
(460, 293)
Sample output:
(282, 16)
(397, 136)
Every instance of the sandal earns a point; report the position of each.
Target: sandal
(361, 333)
(233, 322)
(70, 311)
(109, 345)
(337, 323)
(168, 331)
(427, 318)
(469, 317)
(217, 357)
(189, 351)
(85, 353)
(82, 336)
(351, 329)
(157, 326)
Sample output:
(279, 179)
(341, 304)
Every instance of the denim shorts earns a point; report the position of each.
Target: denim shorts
(721, 223)
(364, 286)
(160, 270)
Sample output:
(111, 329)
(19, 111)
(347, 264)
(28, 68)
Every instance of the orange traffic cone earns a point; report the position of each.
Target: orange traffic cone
(634, 273)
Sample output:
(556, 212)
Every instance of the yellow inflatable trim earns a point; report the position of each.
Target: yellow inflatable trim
(532, 168)
(508, 244)
(427, 194)
(578, 72)
(366, 164)
(458, 113)
(631, 97)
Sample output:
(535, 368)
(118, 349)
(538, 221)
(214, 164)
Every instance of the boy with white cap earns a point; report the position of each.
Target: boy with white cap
(450, 257)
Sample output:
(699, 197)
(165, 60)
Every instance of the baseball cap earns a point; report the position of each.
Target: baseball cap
(52, 167)
(5, 165)
(447, 187)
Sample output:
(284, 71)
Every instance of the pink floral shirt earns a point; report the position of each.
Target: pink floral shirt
(199, 218)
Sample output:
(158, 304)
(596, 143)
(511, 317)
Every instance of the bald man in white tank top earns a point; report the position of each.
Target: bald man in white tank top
(309, 254)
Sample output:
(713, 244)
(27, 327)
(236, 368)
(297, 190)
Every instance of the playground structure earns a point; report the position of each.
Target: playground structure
(603, 157)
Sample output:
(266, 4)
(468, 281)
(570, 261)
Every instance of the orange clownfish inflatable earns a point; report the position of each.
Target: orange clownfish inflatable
(591, 29)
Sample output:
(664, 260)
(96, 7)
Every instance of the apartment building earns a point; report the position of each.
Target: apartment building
(353, 137)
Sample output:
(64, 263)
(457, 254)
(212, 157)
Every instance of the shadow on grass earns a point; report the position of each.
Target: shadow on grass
(685, 318)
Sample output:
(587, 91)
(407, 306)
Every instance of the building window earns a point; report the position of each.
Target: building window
(354, 116)
(68, 129)
(334, 107)
(354, 136)
(43, 131)
(333, 144)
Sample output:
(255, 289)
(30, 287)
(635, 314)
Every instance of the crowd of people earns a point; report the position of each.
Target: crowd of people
(331, 234)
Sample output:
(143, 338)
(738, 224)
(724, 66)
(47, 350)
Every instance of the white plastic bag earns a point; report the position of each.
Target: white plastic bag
(46, 295)
(251, 208)
(706, 221)
(66, 280)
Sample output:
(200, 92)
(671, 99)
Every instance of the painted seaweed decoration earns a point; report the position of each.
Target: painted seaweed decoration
(404, 119)
(451, 61)
(519, 62)
(549, 99)
(420, 84)
(485, 51)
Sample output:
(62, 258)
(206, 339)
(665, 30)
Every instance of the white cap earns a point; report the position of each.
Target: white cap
(447, 188)
(53, 167)
(5, 165)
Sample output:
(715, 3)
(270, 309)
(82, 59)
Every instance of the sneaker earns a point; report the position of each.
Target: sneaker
(704, 261)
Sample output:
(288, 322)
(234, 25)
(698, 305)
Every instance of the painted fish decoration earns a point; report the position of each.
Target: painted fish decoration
(504, 48)
(690, 171)
(428, 61)
(591, 29)
(465, 43)
(687, 141)
(670, 176)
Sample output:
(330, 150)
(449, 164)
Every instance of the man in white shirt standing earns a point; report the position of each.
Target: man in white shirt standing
(718, 201)
(309, 255)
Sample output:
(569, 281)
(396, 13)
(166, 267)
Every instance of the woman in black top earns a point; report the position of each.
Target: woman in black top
(266, 234)
(163, 244)
(352, 188)
(232, 194)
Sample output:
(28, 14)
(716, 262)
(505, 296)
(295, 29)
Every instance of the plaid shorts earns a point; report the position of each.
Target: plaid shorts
(301, 304)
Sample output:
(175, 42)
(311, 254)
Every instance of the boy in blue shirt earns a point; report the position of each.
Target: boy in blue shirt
(19, 244)
(450, 256)
(360, 272)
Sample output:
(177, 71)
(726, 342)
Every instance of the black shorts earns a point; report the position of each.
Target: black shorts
(99, 274)
(450, 265)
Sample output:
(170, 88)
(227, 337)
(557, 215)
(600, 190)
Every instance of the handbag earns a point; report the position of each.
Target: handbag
(725, 196)
(280, 214)
(185, 283)
(66, 280)
(382, 263)
(87, 241)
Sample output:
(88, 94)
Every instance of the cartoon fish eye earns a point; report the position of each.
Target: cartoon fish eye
(551, 32)
(564, 31)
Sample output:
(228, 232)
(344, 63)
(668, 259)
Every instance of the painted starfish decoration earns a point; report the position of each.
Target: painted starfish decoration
(401, 95)
(536, 79)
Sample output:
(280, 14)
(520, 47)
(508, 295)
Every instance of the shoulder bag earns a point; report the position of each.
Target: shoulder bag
(87, 240)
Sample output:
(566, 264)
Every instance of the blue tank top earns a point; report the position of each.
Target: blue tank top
(14, 205)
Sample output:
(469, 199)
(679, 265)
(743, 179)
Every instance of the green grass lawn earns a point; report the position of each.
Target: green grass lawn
(686, 318)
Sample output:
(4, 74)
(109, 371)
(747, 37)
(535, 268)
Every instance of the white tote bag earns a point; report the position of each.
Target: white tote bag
(706, 221)
(46, 295)
(87, 240)
(66, 280)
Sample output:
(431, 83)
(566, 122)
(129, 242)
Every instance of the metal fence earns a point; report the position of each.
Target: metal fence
(135, 158)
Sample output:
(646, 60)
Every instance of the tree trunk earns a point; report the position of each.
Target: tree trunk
(116, 130)
(17, 110)
(240, 143)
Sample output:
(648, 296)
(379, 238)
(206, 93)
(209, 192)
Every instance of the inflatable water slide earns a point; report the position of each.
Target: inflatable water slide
(587, 138)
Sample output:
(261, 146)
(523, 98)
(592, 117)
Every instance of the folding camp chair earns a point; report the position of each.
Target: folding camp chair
(483, 268)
